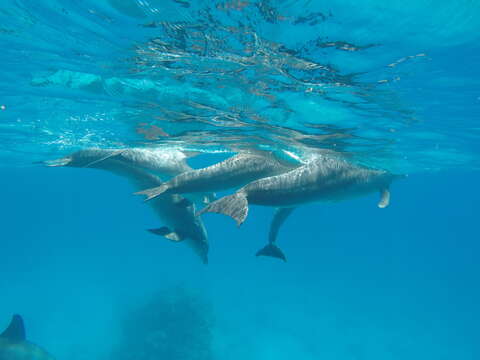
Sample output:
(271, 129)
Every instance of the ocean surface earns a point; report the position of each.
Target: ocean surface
(393, 85)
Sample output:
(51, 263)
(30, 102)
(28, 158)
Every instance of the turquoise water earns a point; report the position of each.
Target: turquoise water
(389, 85)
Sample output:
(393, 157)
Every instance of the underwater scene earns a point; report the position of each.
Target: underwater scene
(239, 179)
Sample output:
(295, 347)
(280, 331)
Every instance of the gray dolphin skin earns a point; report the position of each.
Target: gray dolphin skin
(14, 345)
(324, 178)
(233, 172)
(163, 162)
(176, 212)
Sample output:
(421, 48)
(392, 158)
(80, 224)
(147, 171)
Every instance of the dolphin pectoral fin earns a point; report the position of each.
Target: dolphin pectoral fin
(161, 231)
(235, 206)
(153, 192)
(15, 332)
(167, 233)
(174, 236)
(384, 199)
(272, 250)
(115, 153)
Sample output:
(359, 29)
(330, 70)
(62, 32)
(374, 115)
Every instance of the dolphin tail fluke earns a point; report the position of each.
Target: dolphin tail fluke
(272, 250)
(235, 206)
(152, 193)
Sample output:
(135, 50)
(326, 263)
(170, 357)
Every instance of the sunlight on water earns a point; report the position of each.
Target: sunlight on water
(289, 74)
(148, 90)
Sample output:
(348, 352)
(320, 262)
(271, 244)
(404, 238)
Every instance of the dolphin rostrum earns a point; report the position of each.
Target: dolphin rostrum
(325, 178)
(235, 171)
(14, 345)
(175, 211)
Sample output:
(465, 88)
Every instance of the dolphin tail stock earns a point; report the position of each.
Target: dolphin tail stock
(152, 193)
(272, 250)
(384, 198)
(235, 206)
(279, 218)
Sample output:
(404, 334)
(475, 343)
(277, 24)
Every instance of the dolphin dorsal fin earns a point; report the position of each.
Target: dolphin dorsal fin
(15, 331)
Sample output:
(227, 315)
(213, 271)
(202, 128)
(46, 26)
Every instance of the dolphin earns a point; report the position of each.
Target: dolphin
(161, 161)
(235, 171)
(174, 210)
(14, 345)
(325, 178)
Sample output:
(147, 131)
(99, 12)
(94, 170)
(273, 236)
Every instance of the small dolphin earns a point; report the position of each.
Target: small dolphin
(175, 211)
(324, 178)
(235, 171)
(14, 345)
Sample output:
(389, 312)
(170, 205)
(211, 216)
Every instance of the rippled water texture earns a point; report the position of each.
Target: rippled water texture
(394, 84)
(390, 84)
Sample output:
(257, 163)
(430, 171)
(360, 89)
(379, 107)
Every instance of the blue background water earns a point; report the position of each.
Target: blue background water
(360, 282)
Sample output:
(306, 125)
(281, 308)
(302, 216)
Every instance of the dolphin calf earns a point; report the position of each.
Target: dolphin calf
(324, 178)
(14, 345)
(175, 211)
(235, 171)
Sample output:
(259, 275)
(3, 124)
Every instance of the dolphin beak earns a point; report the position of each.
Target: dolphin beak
(58, 162)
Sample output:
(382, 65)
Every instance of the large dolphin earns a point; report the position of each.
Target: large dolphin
(176, 212)
(14, 345)
(325, 178)
(235, 171)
